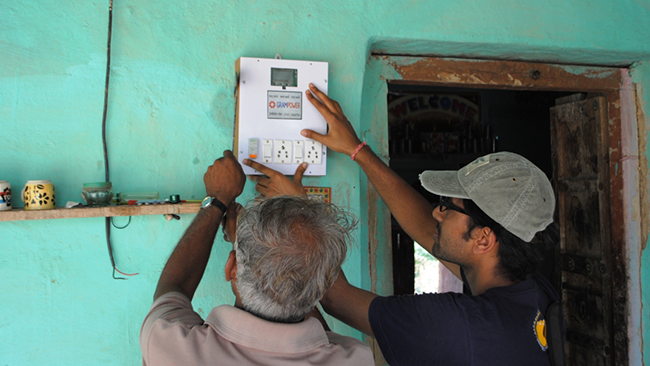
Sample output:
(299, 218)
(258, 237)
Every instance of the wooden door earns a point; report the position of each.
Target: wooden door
(580, 148)
(403, 261)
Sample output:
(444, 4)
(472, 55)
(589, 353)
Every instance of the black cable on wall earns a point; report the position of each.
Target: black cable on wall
(108, 79)
(106, 165)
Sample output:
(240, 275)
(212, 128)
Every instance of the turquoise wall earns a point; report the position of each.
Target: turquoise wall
(641, 76)
(171, 112)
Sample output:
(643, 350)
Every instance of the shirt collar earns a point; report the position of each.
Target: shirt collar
(242, 327)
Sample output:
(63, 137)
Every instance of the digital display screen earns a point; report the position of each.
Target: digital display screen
(284, 77)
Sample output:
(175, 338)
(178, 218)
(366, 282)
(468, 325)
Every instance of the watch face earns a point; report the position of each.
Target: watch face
(207, 201)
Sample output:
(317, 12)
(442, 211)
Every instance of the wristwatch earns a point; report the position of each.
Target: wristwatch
(213, 201)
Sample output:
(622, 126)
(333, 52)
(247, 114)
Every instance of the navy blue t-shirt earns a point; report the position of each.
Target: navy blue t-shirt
(502, 326)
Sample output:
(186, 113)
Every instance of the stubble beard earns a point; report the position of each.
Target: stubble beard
(444, 254)
(436, 249)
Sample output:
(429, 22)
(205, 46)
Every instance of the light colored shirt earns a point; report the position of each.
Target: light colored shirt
(173, 334)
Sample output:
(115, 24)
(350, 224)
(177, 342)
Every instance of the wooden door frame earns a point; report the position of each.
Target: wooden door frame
(613, 83)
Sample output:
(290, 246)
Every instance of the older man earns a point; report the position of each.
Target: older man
(286, 253)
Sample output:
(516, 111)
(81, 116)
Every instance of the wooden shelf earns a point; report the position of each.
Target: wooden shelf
(19, 214)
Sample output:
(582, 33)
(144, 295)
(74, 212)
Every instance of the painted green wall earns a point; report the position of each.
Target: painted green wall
(171, 112)
(641, 76)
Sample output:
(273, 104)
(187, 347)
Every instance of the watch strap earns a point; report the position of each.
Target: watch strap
(219, 204)
(215, 202)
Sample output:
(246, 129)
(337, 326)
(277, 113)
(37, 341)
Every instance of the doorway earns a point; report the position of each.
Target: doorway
(611, 304)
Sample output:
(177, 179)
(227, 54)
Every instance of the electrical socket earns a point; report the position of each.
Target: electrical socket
(282, 151)
(313, 152)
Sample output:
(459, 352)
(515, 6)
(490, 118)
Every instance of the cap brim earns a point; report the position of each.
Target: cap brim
(443, 183)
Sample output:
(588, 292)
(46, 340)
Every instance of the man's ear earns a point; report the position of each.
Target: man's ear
(485, 240)
(231, 266)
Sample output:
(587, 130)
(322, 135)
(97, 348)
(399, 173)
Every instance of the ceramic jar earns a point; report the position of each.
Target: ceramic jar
(38, 195)
(5, 195)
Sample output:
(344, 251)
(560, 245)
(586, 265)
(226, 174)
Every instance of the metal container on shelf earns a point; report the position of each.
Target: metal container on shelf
(97, 194)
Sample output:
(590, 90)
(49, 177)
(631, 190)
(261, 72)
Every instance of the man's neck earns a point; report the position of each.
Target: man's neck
(481, 280)
(274, 320)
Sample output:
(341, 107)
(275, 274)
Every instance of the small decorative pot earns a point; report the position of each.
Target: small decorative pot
(38, 195)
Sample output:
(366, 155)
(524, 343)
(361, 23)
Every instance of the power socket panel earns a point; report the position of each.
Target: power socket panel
(271, 111)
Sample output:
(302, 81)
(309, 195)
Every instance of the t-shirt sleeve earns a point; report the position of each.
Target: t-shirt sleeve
(413, 328)
(170, 320)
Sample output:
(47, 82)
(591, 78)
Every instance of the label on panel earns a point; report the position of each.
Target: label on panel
(284, 105)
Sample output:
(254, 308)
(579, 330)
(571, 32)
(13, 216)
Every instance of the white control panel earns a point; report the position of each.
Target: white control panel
(271, 111)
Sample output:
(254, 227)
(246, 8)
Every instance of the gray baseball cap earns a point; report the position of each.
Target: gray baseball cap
(506, 186)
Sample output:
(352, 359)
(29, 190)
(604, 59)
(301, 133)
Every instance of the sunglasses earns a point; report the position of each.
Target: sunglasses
(447, 204)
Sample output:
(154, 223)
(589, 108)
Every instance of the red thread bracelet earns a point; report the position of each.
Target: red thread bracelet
(354, 154)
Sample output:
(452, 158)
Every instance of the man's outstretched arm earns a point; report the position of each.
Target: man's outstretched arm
(224, 180)
(410, 209)
(349, 304)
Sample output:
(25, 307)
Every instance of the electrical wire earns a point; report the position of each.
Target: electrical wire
(106, 166)
(108, 78)
(121, 227)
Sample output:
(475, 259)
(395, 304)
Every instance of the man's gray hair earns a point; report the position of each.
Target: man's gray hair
(289, 252)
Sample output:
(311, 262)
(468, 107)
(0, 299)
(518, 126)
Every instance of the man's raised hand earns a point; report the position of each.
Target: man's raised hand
(276, 183)
(340, 136)
(225, 178)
